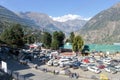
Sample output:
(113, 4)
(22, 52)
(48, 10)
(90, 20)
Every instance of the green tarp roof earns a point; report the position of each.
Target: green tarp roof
(104, 47)
(98, 47)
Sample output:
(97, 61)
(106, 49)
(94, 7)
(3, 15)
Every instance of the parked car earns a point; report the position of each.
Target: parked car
(83, 68)
(92, 60)
(75, 66)
(107, 60)
(110, 69)
(44, 58)
(55, 63)
(114, 62)
(62, 62)
(117, 68)
(84, 65)
(91, 64)
(94, 69)
(74, 59)
(61, 65)
(70, 64)
(50, 62)
(77, 63)
(101, 66)
(99, 61)
(24, 61)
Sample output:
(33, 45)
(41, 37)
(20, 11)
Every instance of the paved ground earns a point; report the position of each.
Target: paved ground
(39, 75)
(34, 74)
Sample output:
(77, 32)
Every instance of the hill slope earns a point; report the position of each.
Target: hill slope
(8, 18)
(104, 27)
(42, 20)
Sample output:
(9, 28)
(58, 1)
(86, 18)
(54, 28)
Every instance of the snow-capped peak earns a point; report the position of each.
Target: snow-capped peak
(68, 17)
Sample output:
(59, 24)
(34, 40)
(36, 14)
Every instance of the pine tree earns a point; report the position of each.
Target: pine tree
(13, 36)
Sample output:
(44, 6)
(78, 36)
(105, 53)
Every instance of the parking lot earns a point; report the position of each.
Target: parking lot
(106, 66)
(61, 64)
(30, 73)
(95, 66)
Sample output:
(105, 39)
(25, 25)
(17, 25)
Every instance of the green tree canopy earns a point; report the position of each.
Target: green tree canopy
(61, 37)
(85, 50)
(57, 39)
(54, 45)
(77, 43)
(46, 39)
(32, 35)
(72, 37)
(13, 36)
(29, 38)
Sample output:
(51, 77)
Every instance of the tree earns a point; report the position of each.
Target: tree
(67, 40)
(32, 35)
(55, 35)
(57, 39)
(61, 37)
(13, 36)
(72, 37)
(30, 38)
(85, 50)
(46, 39)
(77, 44)
(55, 45)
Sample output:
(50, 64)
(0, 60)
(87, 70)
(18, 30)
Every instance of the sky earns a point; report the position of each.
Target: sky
(55, 8)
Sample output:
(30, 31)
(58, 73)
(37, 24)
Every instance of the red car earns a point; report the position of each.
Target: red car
(101, 66)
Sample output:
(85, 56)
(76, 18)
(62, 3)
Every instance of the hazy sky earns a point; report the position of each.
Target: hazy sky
(85, 8)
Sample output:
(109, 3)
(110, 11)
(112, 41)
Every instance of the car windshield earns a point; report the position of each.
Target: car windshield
(91, 65)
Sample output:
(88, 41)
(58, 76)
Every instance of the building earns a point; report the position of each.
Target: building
(36, 46)
(67, 47)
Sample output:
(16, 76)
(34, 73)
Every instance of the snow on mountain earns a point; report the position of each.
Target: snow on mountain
(69, 17)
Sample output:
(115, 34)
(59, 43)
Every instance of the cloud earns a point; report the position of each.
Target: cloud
(68, 17)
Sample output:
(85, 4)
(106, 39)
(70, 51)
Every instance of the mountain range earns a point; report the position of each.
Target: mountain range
(48, 23)
(38, 21)
(103, 27)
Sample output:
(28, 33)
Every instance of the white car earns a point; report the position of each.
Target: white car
(61, 65)
(92, 60)
(64, 61)
(107, 69)
(83, 65)
(94, 69)
(50, 63)
(110, 70)
(24, 61)
(117, 68)
(107, 59)
(106, 62)
(55, 63)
